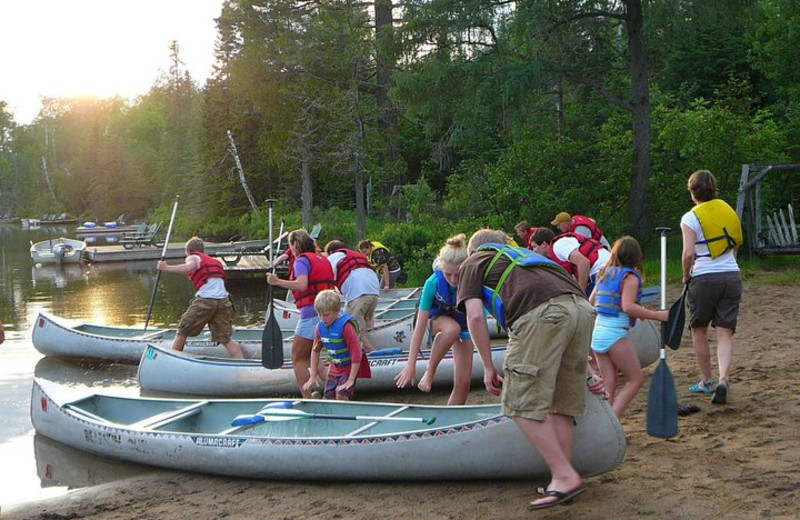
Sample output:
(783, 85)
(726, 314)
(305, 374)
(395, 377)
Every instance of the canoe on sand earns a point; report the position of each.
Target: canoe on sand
(301, 439)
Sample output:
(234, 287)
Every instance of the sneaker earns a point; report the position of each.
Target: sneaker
(703, 387)
(720, 393)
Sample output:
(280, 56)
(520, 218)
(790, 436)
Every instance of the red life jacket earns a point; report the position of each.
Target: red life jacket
(320, 277)
(528, 236)
(583, 220)
(588, 247)
(352, 260)
(209, 268)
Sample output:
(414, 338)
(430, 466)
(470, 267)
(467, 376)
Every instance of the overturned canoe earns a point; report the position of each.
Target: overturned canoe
(166, 370)
(54, 336)
(296, 439)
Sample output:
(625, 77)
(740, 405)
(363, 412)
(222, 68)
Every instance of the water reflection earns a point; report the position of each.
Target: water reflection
(60, 465)
(116, 294)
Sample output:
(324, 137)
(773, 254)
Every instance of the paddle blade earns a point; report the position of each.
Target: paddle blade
(672, 329)
(271, 342)
(247, 420)
(662, 404)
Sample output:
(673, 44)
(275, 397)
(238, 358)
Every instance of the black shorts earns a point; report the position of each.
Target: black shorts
(714, 298)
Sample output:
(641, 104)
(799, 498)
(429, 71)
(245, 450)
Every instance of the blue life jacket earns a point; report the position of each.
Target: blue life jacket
(444, 301)
(609, 290)
(333, 339)
(519, 257)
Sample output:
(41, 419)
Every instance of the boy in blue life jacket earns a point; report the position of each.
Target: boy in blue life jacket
(338, 331)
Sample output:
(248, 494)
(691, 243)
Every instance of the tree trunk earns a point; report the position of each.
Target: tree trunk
(306, 193)
(640, 174)
(242, 179)
(387, 112)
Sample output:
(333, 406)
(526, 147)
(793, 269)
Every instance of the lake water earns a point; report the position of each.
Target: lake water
(33, 467)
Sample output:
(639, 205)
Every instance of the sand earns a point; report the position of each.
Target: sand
(739, 460)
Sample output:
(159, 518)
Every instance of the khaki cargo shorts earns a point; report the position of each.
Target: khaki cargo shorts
(207, 311)
(363, 310)
(545, 366)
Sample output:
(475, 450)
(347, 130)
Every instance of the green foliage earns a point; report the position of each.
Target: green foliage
(502, 113)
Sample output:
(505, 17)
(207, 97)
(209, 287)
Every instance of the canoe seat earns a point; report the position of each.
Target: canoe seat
(162, 419)
(86, 414)
(369, 425)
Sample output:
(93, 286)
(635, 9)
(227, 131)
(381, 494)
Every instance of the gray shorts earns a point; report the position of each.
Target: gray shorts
(714, 298)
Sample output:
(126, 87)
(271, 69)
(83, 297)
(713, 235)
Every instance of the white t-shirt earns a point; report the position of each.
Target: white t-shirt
(725, 263)
(214, 288)
(361, 281)
(587, 232)
(564, 246)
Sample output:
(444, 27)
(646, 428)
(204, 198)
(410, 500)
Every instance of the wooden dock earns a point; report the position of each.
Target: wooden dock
(117, 253)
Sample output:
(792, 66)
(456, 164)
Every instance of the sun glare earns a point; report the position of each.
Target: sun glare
(103, 48)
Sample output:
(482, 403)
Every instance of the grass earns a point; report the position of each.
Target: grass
(777, 269)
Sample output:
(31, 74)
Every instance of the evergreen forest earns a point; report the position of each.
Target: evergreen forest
(407, 121)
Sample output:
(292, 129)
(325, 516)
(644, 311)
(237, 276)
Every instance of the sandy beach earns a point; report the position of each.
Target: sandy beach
(739, 460)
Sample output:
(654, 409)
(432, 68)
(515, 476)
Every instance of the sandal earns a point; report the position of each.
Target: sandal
(703, 387)
(720, 393)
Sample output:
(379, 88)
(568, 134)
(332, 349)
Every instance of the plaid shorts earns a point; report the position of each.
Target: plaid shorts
(333, 382)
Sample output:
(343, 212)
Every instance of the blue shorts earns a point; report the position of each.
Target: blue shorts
(305, 327)
(603, 338)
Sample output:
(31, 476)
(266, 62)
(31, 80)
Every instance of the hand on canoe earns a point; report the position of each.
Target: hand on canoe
(407, 376)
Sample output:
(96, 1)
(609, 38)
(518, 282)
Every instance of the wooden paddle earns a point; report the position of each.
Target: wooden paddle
(285, 412)
(163, 255)
(271, 338)
(662, 403)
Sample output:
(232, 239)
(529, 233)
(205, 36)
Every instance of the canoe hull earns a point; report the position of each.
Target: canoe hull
(497, 449)
(162, 370)
(53, 336)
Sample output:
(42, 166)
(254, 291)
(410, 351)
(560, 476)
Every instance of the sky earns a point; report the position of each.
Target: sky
(104, 48)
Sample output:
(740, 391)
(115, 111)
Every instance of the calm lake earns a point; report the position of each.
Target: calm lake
(117, 293)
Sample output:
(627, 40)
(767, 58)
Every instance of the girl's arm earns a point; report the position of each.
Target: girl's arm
(409, 374)
(299, 284)
(630, 288)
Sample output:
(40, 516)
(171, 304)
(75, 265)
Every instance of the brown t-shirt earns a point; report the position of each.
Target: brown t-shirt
(524, 289)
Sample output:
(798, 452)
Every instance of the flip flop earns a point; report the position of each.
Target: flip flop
(687, 409)
(561, 497)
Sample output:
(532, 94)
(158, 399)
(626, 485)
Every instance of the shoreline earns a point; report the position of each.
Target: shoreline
(729, 461)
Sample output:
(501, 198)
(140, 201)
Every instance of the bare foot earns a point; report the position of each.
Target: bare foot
(426, 382)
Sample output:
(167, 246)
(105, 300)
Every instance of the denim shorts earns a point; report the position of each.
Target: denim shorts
(306, 327)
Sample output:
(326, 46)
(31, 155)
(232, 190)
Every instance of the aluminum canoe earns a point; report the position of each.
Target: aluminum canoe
(464, 442)
(55, 336)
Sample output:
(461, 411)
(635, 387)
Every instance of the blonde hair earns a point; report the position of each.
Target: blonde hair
(327, 301)
(486, 236)
(195, 245)
(454, 251)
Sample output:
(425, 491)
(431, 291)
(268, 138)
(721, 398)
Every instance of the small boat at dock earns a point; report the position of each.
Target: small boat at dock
(58, 251)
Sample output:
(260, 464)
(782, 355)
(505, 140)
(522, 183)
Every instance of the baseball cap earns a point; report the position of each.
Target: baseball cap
(561, 217)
